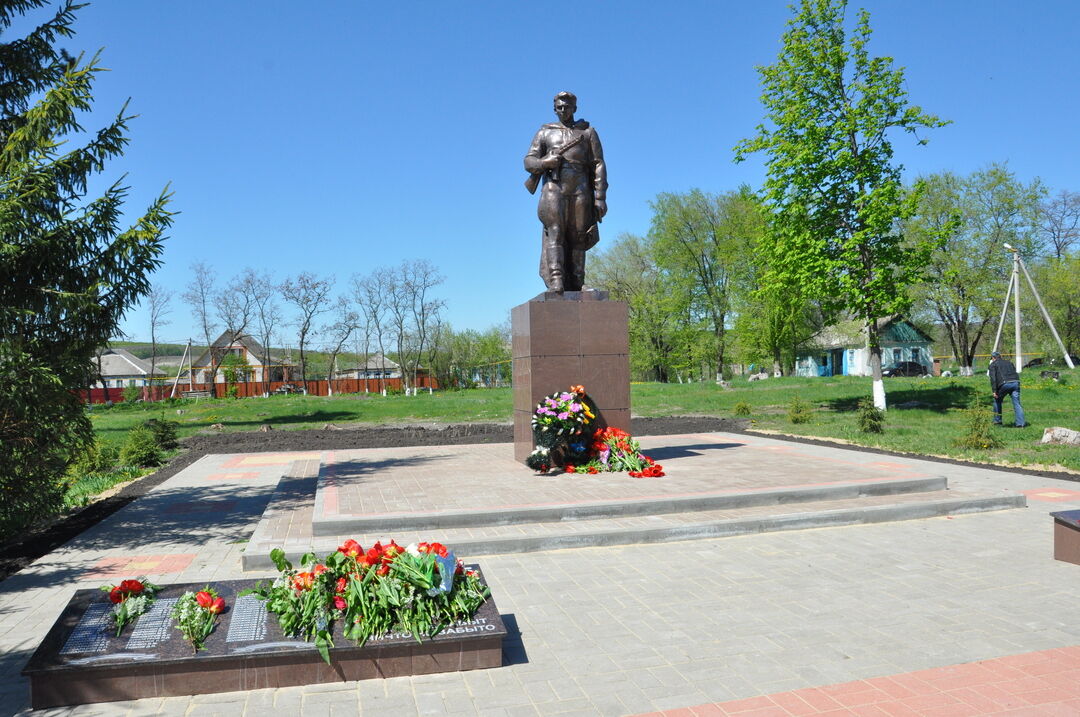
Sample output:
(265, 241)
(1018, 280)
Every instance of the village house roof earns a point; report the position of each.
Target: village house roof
(230, 338)
(852, 334)
(115, 362)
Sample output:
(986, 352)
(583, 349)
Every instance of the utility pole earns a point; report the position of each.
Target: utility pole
(1014, 291)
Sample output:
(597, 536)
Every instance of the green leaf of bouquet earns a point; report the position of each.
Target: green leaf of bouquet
(323, 643)
(277, 555)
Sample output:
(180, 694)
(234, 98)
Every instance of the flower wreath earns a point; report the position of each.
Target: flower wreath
(564, 439)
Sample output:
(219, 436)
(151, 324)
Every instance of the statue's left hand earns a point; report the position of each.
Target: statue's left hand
(601, 208)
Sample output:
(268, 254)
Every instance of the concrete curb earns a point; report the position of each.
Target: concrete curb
(718, 529)
(324, 527)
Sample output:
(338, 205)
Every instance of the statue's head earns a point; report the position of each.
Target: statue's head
(565, 106)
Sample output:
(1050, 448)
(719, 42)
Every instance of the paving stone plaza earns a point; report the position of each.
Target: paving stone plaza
(849, 582)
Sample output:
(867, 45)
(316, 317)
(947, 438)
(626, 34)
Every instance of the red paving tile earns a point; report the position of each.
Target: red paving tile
(1035, 683)
(135, 565)
(238, 475)
(712, 710)
(736, 706)
(1052, 495)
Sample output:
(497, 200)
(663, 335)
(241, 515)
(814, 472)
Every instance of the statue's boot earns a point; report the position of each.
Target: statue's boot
(576, 271)
(551, 264)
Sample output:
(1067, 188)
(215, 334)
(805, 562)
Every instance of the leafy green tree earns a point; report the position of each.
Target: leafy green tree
(465, 359)
(68, 270)
(1058, 280)
(703, 241)
(973, 217)
(657, 306)
(833, 189)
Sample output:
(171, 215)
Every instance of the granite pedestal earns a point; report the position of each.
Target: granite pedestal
(559, 340)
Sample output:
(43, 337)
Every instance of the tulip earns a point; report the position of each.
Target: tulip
(204, 599)
(217, 606)
(115, 596)
(339, 602)
(351, 548)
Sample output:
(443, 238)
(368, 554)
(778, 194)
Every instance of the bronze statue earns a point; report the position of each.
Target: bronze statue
(568, 155)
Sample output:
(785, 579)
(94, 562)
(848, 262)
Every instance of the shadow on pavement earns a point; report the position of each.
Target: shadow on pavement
(666, 453)
(513, 648)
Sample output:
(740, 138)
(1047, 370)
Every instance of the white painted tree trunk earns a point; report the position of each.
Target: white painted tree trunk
(879, 394)
(966, 371)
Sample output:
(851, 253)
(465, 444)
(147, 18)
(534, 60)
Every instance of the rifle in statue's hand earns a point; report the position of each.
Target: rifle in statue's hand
(534, 179)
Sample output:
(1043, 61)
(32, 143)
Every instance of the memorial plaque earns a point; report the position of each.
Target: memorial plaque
(82, 661)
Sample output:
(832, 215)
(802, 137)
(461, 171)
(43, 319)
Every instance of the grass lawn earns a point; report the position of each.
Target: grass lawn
(929, 427)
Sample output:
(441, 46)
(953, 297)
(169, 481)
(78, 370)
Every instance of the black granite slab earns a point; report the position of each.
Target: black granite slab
(81, 660)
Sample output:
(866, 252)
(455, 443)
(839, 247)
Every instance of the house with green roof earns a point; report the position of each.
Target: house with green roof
(841, 349)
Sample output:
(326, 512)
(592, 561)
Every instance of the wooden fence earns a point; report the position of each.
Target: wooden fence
(253, 389)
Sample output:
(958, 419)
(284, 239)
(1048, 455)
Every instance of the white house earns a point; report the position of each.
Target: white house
(248, 350)
(841, 349)
(117, 368)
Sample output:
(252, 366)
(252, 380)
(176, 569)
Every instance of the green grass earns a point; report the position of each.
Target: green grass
(85, 488)
(928, 429)
(305, 412)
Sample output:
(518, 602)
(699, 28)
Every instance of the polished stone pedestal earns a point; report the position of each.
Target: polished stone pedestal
(560, 340)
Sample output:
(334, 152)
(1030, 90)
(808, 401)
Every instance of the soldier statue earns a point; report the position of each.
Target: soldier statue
(568, 155)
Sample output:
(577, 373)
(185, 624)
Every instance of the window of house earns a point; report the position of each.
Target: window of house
(824, 360)
(915, 355)
(897, 355)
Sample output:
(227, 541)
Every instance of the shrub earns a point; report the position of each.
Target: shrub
(799, 411)
(979, 428)
(98, 458)
(132, 394)
(870, 419)
(140, 448)
(42, 431)
(164, 432)
(742, 408)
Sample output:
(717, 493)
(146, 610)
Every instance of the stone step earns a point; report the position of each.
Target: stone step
(646, 528)
(338, 524)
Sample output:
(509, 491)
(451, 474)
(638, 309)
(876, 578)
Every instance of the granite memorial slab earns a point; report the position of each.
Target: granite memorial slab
(82, 661)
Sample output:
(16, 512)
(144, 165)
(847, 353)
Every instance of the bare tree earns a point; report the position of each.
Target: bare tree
(199, 296)
(346, 321)
(310, 295)
(1061, 222)
(418, 279)
(371, 295)
(235, 310)
(158, 302)
(261, 292)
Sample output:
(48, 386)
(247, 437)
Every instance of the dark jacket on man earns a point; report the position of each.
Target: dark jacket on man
(1001, 372)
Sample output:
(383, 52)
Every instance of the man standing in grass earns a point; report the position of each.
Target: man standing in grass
(1005, 380)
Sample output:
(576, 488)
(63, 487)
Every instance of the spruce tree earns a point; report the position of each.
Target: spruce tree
(68, 269)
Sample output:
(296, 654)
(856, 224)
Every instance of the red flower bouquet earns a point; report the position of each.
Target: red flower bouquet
(130, 599)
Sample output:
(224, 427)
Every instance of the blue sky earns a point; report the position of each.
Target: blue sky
(337, 137)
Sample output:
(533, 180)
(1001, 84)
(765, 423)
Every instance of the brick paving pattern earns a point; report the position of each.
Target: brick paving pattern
(1046, 682)
(646, 628)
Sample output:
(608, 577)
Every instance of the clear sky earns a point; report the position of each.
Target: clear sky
(337, 137)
